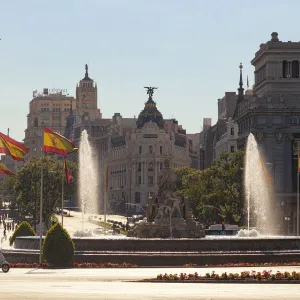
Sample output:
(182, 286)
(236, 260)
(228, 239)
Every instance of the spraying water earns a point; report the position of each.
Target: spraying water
(88, 181)
(258, 190)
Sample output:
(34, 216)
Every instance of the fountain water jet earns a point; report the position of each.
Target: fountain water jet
(88, 179)
(258, 190)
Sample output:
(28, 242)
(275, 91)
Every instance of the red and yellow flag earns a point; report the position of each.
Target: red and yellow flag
(56, 143)
(11, 147)
(67, 173)
(5, 170)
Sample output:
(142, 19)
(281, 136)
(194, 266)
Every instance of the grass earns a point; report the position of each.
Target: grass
(106, 225)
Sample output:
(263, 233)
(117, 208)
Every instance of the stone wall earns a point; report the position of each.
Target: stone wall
(173, 245)
(164, 259)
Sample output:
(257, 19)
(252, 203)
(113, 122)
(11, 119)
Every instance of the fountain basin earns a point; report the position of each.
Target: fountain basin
(210, 243)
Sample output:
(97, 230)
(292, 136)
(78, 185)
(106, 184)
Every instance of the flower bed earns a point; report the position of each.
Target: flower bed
(75, 265)
(243, 264)
(242, 276)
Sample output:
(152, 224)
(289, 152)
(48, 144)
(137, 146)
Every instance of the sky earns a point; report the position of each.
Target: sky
(189, 49)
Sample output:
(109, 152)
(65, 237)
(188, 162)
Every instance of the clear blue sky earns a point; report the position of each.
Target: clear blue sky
(190, 49)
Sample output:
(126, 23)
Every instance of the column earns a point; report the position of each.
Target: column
(154, 172)
(288, 164)
(157, 170)
(145, 173)
(279, 69)
(142, 172)
(134, 173)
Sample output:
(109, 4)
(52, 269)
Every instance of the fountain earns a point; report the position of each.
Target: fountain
(258, 192)
(170, 238)
(88, 179)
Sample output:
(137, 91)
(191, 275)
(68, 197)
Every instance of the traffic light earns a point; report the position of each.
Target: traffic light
(223, 226)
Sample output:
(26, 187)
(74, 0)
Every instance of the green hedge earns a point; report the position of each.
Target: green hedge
(58, 248)
(24, 229)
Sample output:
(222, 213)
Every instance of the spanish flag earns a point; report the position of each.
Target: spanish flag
(67, 173)
(56, 143)
(11, 147)
(5, 170)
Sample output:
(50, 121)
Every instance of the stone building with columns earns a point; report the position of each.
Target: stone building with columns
(134, 159)
(272, 114)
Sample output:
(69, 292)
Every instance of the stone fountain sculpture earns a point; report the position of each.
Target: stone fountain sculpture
(167, 212)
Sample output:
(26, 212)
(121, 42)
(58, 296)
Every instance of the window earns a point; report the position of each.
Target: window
(290, 69)
(150, 180)
(150, 166)
(150, 149)
(139, 166)
(140, 149)
(137, 197)
(160, 149)
(295, 69)
(231, 148)
(140, 180)
(232, 131)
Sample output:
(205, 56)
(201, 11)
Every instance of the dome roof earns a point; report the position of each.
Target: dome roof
(150, 113)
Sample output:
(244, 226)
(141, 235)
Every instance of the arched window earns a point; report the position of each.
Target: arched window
(150, 149)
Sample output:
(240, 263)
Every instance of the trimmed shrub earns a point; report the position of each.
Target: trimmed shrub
(24, 229)
(58, 248)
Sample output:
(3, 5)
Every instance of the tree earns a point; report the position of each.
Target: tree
(27, 186)
(228, 185)
(58, 248)
(7, 189)
(24, 229)
(215, 194)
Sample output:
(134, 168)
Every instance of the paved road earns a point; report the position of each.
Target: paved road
(76, 223)
(117, 284)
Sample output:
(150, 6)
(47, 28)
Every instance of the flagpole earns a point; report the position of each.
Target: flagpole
(62, 201)
(298, 201)
(41, 201)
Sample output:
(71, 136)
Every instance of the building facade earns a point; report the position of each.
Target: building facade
(272, 114)
(46, 110)
(134, 160)
(57, 110)
(228, 141)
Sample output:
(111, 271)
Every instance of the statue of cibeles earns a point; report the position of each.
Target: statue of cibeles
(166, 182)
(168, 201)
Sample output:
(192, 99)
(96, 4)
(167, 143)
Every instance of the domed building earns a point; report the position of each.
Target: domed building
(150, 113)
(135, 159)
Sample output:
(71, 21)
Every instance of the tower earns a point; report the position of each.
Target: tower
(277, 67)
(86, 97)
